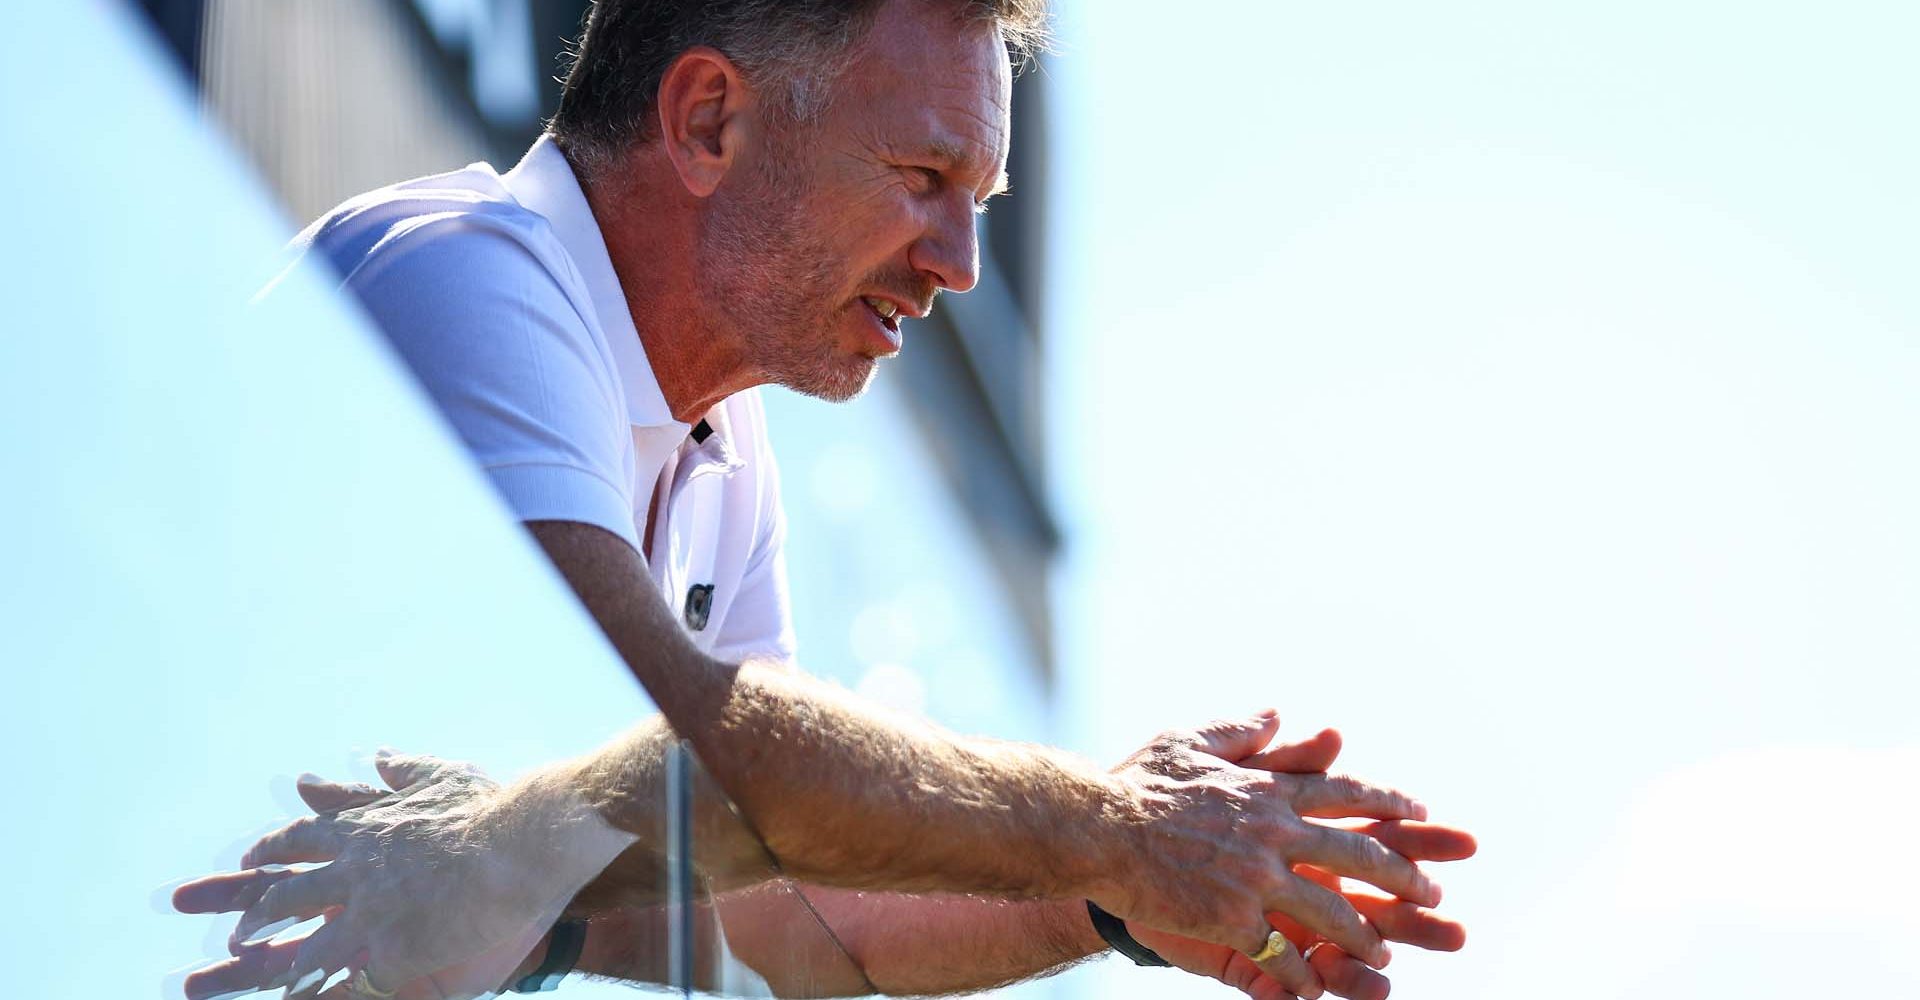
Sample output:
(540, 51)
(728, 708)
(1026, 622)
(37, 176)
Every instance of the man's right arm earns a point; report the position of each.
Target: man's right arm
(842, 795)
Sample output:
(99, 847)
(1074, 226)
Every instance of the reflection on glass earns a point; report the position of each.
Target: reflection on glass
(628, 865)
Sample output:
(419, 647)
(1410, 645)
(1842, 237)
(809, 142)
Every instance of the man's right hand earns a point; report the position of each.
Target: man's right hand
(1324, 964)
(1207, 847)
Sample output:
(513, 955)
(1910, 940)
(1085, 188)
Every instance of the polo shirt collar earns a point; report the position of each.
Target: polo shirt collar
(711, 445)
(545, 184)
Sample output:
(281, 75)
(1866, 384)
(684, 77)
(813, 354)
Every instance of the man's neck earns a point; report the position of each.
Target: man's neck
(652, 242)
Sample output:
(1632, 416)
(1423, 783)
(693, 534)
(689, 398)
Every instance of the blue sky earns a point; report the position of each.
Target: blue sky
(1529, 391)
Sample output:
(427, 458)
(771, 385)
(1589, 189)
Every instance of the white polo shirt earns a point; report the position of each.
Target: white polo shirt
(499, 294)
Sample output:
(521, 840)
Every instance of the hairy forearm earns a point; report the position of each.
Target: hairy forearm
(841, 793)
(627, 782)
(844, 796)
(847, 795)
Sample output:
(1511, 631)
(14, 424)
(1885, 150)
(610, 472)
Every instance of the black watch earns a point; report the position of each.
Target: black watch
(563, 950)
(1113, 930)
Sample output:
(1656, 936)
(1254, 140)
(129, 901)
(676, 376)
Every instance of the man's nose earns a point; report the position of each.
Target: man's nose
(949, 251)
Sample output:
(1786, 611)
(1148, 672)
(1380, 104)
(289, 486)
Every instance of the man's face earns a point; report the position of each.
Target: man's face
(839, 231)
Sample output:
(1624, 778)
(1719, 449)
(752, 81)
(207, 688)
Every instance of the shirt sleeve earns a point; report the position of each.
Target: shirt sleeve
(760, 623)
(488, 330)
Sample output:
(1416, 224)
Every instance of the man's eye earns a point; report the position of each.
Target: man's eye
(925, 179)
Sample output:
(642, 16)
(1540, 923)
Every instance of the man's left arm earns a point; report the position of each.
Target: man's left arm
(896, 944)
(916, 945)
(905, 945)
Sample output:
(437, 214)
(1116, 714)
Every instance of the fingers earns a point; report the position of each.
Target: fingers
(1315, 753)
(301, 897)
(1289, 968)
(399, 770)
(1235, 739)
(321, 954)
(227, 892)
(1347, 976)
(263, 967)
(1242, 974)
(1423, 841)
(1358, 856)
(382, 978)
(1399, 920)
(330, 797)
(310, 838)
(1336, 796)
(1393, 919)
(1324, 912)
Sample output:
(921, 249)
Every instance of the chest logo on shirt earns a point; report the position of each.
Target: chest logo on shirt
(699, 605)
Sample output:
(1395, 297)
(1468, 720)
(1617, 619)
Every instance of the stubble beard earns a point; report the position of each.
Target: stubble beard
(771, 276)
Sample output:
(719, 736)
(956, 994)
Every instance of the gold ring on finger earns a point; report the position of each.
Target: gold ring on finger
(361, 986)
(1276, 946)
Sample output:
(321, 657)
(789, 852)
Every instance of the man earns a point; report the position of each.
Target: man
(736, 194)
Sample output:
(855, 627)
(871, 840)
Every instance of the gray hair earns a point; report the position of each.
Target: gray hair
(795, 49)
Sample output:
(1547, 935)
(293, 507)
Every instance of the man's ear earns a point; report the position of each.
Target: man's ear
(704, 110)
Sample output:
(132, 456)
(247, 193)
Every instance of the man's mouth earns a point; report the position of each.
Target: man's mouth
(889, 313)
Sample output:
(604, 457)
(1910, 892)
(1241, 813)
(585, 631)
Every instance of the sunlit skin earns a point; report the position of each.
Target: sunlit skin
(748, 246)
(891, 957)
(1397, 920)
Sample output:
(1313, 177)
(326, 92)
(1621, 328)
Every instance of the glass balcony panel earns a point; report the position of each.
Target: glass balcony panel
(247, 549)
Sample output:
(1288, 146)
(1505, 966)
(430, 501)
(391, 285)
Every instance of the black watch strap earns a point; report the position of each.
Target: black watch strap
(1113, 930)
(563, 950)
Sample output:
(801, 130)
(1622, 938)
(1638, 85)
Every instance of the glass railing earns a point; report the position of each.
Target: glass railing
(242, 548)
